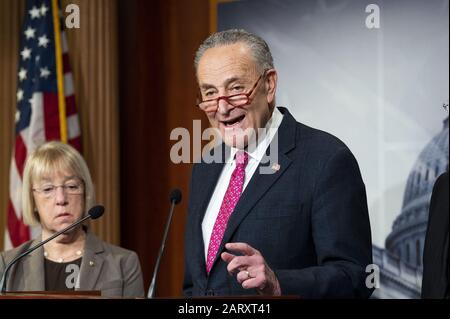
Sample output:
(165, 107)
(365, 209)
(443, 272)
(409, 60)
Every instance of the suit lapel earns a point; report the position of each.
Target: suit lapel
(255, 190)
(92, 263)
(34, 277)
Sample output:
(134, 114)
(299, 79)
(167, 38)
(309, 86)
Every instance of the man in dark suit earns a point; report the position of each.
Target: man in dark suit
(435, 283)
(284, 216)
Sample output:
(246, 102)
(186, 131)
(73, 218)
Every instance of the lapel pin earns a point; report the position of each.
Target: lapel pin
(91, 263)
(276, 167)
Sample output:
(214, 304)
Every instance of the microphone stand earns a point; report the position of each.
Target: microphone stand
(152, 289)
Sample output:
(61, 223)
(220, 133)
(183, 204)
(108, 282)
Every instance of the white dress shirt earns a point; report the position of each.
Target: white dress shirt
(255, 156)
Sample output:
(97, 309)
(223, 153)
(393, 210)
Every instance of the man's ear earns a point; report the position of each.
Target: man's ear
(271, 85)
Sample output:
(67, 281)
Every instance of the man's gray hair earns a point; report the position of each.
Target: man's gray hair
(259, 48)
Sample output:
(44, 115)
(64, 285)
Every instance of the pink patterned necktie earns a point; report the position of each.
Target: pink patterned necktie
(230, 200)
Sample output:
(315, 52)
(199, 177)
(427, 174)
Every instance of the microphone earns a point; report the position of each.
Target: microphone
(93, 213)
(175, 198)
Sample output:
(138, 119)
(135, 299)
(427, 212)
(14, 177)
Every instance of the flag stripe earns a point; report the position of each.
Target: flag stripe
(68, 84)
(66, 64)
(15, 188)
(34, 134)
(51, 117)
(20, 154)
(76, 143)
(71, 107)
(20, 232)
(65, 47)
(73, 126)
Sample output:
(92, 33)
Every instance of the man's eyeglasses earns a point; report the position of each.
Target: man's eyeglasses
(49, 191)
(236, 100)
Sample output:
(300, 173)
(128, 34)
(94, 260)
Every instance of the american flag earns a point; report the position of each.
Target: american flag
(46, 107)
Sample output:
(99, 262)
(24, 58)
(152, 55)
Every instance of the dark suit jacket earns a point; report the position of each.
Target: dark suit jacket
(113, 270)
(435, 283)
(309, 220)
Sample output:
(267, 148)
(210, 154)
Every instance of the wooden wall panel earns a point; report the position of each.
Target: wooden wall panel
(142, 125)
(189, 26)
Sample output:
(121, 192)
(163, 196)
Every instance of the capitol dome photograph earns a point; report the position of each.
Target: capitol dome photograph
(401, 261)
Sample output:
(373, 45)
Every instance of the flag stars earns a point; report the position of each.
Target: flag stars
(29, 33)
(25, 53)
(19, 95)
(35, 12)
(43, 41)
(37, 58)
(22, 74)
(43, 9)
(45, 72)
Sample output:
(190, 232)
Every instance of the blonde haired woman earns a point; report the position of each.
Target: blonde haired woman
(57, 191)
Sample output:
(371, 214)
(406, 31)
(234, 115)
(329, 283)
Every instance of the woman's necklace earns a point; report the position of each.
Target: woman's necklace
(77, 254)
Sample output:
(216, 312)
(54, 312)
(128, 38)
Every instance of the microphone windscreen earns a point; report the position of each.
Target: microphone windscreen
(96, 211)
(175, 196)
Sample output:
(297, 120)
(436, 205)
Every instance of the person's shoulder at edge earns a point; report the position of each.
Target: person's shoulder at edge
(441, 181)
(127, 260)
(316, 140)
(8, 255)
(107, 247)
